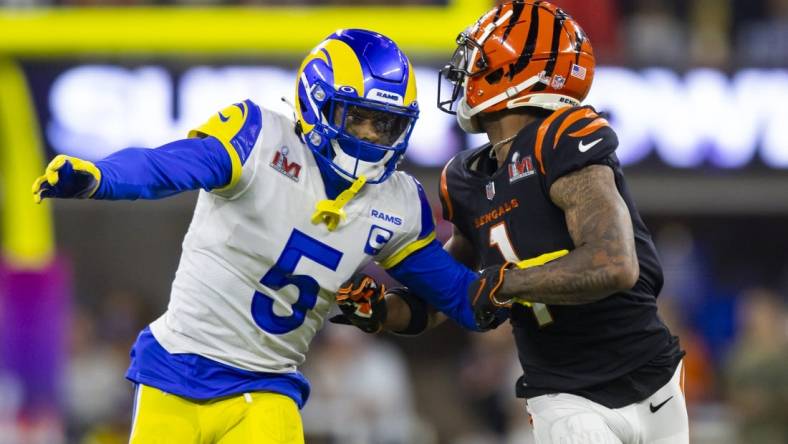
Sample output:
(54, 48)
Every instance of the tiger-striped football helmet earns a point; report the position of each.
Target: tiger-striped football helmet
(520, 53)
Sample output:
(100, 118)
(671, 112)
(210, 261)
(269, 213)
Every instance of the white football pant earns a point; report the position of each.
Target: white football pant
(569, 419)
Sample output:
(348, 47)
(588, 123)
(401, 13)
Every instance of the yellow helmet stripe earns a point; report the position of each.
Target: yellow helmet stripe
(306, 126)
(410, 91)
(344, 62)
(315, 54)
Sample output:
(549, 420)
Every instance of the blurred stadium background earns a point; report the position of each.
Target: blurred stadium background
(697, 90)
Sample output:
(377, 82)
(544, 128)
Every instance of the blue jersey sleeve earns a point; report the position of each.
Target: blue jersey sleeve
(433, 275)
(142, 173)
(237, 127)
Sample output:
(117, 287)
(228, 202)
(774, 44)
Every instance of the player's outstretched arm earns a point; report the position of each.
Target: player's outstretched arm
(433, 279)
(211, 158)
(604, 260)
(401, 308)
(138, 173)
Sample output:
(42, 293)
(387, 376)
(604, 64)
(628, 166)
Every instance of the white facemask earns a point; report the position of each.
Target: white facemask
(372, 170)
(468, 123)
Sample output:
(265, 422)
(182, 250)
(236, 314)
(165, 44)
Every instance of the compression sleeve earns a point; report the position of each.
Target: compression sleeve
(433, 275)
(183, 165)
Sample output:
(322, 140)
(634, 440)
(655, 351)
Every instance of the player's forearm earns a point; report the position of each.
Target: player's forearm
(441, 282)
(578, 278)
(140, 173)
(399, 315)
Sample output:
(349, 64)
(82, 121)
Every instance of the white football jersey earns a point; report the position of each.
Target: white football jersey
(256, 277)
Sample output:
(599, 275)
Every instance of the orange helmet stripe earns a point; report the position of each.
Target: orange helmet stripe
(544, 40)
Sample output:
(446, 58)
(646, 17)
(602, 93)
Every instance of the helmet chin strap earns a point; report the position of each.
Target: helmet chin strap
(468, 119)
(466, 116)
(542, 100)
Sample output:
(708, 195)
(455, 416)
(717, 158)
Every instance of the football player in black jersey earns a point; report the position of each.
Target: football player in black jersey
(599, 365)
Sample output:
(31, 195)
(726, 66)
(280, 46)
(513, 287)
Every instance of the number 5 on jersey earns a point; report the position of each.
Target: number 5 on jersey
(280, 275)
(499, 238)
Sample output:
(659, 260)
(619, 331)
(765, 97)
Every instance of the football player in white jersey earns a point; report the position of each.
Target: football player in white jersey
(288, 210)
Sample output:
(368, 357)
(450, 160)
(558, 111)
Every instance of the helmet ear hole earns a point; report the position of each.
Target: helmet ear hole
(302, 105)
(324, 112)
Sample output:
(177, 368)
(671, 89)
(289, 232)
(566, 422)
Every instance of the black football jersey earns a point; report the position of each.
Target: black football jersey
(615, 351)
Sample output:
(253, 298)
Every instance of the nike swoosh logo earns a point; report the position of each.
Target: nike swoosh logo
(224, 119)
(585, 147)
(654, 408)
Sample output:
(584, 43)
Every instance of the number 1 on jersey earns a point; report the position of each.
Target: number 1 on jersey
(499, 238)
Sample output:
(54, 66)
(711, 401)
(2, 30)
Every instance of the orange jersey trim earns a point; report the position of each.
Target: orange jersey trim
(445, 192)
(681, 379)
(571, 119)
(542, 132)
(591, 127)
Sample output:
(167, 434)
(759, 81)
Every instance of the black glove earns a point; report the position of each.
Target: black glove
(489, 312)
(362, 302)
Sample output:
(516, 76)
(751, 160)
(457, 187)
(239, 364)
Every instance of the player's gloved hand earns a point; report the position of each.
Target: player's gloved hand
(362, 302)
(488, 311)
(67, 177)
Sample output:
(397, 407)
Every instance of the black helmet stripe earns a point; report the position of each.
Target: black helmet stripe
(497, 13)
(530, 43)
(558, 26)
(580, 38)
(494, 77)
(517, 9)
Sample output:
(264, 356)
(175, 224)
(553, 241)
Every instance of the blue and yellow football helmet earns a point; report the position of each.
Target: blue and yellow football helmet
(356, 75)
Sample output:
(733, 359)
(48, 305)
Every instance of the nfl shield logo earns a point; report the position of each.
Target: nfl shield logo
(490, 190)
